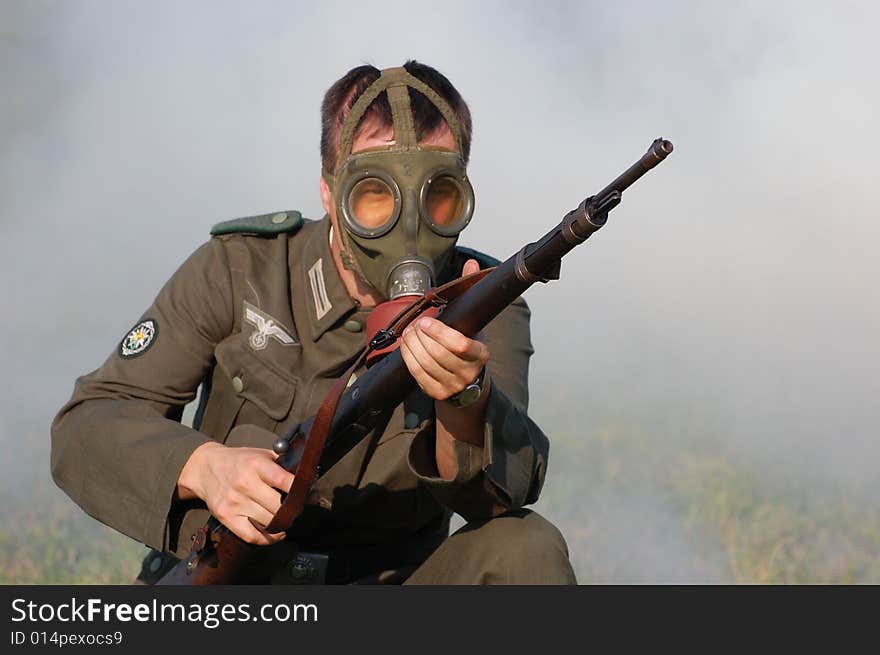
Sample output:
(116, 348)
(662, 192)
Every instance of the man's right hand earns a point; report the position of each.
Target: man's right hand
(237, 484)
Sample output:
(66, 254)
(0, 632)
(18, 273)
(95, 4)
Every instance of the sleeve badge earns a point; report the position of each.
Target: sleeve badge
(139, 339)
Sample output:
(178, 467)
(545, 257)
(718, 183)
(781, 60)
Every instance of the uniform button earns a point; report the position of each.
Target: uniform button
(237, 384)
(411, 420)
(280, 217)
(353, 325)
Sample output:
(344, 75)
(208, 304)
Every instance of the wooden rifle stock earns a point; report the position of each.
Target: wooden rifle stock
(220, 557)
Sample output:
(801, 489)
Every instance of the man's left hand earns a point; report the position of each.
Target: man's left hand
(442, 360)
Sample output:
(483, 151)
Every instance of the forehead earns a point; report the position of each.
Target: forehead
(373, 134)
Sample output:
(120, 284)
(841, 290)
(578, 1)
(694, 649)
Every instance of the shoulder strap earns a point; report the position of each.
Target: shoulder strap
(262, 225)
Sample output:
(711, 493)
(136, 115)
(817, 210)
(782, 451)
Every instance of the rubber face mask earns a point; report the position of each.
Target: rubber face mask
(400, 208)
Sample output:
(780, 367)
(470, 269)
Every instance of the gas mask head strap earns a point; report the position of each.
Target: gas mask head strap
(395, 82)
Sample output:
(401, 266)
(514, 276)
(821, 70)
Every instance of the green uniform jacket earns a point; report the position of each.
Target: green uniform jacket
(264, 321)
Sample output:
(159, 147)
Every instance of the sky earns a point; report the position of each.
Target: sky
(735, 286)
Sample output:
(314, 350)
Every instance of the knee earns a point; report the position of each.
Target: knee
(522, 547)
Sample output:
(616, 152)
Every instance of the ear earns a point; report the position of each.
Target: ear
(326, 196)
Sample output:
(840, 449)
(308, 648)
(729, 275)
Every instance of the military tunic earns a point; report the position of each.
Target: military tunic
(259, 317)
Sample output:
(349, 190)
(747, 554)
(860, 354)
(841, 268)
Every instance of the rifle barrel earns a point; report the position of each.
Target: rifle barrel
(658, 151)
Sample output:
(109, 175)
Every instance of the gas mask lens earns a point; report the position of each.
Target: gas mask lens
(443, 201)
(446, 204)
(372, 207)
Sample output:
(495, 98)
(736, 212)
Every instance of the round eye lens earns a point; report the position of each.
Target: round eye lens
(371, 202)
(444, 201)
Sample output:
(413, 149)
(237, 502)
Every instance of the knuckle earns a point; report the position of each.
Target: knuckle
(436, 350)
(460, 344)
(250, 536)
(437, 391)
(239, 481)
(413, 366)
(407, 354)
(267, 470)
(282, 478)
(223, 510)
(275, 476)
(424, 383)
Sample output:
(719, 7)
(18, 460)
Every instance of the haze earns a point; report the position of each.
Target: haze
(734, 288)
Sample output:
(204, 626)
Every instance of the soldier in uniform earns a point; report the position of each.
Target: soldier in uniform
(268, 313)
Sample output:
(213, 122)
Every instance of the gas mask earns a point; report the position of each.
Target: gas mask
(402, 207)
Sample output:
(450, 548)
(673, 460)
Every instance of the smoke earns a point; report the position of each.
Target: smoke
(734, 287)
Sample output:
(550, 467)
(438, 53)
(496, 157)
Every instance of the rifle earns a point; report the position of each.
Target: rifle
(350, 411)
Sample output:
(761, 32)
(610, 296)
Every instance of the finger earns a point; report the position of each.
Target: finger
(425, 381)
(453, 340)
(428, 362)
(258, 513)
(247, 532)
(455, 368)
(271, 536)
(268, 498)
(470, 266)
(275, 475)
(428, 384)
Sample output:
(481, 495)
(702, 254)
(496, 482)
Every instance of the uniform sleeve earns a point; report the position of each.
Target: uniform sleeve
(117, 445)
(507, 472)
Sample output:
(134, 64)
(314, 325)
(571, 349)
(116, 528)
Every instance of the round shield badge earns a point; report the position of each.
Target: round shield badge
(139, 338)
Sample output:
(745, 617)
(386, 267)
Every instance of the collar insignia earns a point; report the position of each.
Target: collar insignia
(319, 290)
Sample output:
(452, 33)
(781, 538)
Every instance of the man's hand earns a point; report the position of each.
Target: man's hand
(443, 361)
(237, 484)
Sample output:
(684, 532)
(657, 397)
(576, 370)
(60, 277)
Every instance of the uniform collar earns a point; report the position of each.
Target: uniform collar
(328, 300)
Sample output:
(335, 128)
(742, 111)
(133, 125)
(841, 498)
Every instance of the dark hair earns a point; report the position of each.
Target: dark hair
(344, 93)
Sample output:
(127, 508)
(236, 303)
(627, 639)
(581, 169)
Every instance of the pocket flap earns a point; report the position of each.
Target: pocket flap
(256, 381)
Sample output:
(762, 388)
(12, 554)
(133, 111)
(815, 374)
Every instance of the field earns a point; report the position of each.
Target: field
(636, 505)
(669, 506)
(61, 545)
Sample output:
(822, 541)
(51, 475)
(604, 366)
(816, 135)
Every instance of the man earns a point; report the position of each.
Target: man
(269, 312)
